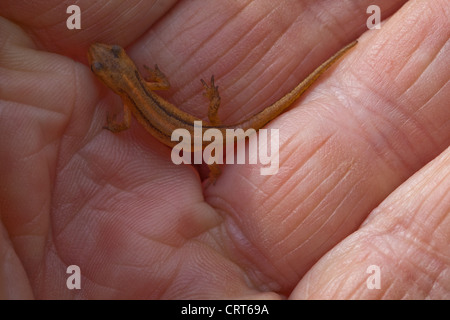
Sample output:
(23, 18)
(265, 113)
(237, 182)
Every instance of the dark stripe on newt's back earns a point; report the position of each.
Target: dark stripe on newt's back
(169, 114)
(175, 116)
(147, 121)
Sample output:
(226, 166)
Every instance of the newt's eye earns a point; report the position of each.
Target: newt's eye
(116, 50)
(96, 66)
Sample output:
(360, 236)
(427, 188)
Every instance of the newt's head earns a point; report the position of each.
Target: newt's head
(110, 63)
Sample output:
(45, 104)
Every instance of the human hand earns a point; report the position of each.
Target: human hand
(364, 157)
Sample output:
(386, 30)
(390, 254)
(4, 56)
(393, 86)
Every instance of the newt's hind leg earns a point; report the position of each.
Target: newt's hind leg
(156, 80)
(214, 172)
(212, 93)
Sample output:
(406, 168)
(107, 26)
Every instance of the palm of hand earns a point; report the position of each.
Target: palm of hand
(140, 227)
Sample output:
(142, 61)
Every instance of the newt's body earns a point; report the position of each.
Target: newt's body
(112, 65)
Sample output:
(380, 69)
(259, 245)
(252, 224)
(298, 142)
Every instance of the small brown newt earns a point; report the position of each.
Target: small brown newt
(113, 66)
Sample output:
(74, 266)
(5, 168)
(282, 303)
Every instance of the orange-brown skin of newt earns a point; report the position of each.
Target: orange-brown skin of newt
(113, 66)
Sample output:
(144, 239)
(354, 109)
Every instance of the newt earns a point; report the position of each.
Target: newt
(160, 118)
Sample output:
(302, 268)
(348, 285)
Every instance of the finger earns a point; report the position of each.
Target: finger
(43, 98)
(257, 50)
(407, 237)
(348, 147)
(101, 21)
(14, 282)
(35, 103)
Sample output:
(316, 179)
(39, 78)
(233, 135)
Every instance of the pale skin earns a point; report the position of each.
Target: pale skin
(364, 160)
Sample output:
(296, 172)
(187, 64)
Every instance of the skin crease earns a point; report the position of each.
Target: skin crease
(364, 154)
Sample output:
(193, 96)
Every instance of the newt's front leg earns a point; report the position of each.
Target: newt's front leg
(212, 93)
(115, 126)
